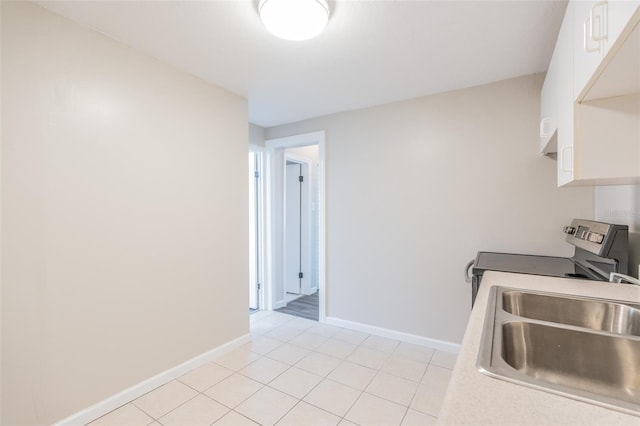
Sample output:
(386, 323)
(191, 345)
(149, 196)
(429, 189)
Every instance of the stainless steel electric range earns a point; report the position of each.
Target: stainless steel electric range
(600, 249)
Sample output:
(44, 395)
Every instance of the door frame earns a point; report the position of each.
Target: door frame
(260, 235)
(272, 148)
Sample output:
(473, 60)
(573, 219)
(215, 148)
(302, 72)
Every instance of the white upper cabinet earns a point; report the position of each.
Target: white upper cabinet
(555, 91)
(565, 64)
(597, 26)
(549, 111)
(594, 78)
(589, 37)
(620, 14)
(607, 114)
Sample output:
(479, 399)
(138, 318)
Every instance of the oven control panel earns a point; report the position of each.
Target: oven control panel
(585, 233)
(592, 236)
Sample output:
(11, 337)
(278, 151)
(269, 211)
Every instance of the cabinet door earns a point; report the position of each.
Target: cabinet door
(619, 12)
(589, 26)
(564, 54)
(597, 25)
(549, 100)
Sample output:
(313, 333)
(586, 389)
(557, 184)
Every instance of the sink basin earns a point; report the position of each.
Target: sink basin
(582, 348)
(594, 314)
(595, 363)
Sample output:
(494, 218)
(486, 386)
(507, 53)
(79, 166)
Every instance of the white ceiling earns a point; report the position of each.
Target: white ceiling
(371, 52)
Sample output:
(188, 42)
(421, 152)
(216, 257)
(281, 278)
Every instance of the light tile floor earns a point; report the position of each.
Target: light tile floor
(298, 372)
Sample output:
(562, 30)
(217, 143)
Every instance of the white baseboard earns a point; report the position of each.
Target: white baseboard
(279, 304)
(397, 335)
(103, 407)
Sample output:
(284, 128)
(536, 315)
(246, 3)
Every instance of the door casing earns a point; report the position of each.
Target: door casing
(274, 161)
(256, 235)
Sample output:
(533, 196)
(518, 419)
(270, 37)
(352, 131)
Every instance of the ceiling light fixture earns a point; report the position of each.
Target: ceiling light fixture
(294, 19)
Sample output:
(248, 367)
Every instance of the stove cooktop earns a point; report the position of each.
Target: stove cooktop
(530, 264)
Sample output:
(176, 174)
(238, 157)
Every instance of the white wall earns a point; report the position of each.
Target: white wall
(415, 188)
(124, 216)
(621, 204)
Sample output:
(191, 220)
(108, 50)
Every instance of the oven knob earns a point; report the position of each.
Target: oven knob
(594, 237)
(569, 230)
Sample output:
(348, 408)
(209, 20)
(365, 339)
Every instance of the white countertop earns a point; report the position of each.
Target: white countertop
(474, 398)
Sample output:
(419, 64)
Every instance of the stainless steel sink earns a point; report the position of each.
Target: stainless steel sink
(595, 363)
(582, 348)
(595, 314)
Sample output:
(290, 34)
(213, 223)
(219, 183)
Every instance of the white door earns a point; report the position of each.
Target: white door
(293, 228)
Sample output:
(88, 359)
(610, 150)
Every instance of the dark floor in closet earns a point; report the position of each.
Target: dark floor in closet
(305, 307)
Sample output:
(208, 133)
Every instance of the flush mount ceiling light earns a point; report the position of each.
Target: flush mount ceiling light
(294, 19)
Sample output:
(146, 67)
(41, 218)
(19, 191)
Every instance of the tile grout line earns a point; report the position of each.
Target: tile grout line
(404, 416)
(173, 409)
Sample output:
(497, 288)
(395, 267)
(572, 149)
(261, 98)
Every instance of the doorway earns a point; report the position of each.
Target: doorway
(300, 223)
(293, 223)
(294, 231)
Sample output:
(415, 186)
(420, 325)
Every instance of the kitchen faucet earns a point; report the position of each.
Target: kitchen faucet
(616, 277)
